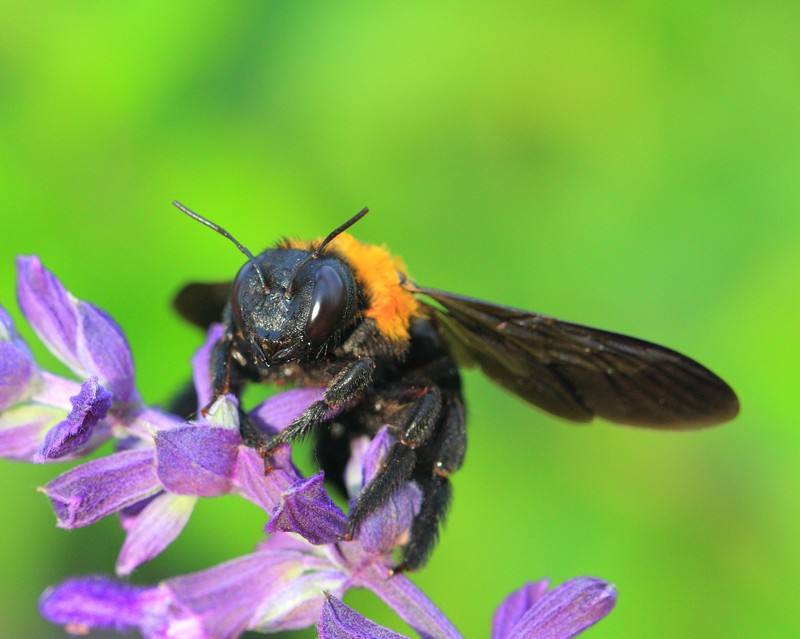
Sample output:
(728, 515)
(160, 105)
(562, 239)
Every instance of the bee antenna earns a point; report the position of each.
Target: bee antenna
(216, 227)
(338, 231)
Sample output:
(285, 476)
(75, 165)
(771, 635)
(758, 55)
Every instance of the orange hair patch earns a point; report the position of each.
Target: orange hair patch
(391, 306)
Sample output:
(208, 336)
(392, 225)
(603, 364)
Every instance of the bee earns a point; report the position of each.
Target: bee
(345, 315)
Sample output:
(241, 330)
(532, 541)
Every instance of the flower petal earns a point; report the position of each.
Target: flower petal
(201, 366)
(17, 368)
(23, 428)
(339, 621)
(264, 489)
(71, 435)
(87, 603)
(226, 596)
(82, 336)
(105, 351)
(93, 490)
(299, 604)
(404, 597)
(307, 509)
(49, 309)
(515, 606)
(567, 610)
(155, 528)
(197, 460)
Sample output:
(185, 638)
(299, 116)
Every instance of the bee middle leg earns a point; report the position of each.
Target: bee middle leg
(347, 386)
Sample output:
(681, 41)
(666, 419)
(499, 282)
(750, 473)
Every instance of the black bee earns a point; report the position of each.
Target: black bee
(345, 315)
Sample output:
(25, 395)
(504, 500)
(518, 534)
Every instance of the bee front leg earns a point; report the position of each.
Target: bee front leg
(346, 386)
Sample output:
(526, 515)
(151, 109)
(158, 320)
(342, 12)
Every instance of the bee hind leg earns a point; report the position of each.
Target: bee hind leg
(442, 457)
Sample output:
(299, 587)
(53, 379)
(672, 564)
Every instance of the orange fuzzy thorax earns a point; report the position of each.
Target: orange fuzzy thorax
(391, 306)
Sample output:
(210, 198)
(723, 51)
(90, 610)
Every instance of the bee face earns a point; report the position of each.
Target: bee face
(302, 306)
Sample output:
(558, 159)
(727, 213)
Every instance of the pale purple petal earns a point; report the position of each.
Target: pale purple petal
(105, 351)
(23, 428)
(567, 610)
(88, 603)
(17, 368)
(54, 390)
(49, 309)
(201, 366)
(152, 530)
(402, 596)
(277, 412)
(299, 604)
(515, 606)
(264, 489)
(390, 524)
(226, 596)
(129, 514)
(93, 490)
(70, 436)
(353, 471)
(82, 336)
(339, 621)
(307, 509)
(197, 460)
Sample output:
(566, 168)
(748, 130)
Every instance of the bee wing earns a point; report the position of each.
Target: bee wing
(202, 303)
(577, 372)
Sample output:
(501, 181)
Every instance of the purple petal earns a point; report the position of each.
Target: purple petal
(201, 366)
(225, 598)
(105, 351)
(353, 471)
(264, 489)
(390, 524)
(339, 621)
(53, 390)
(50, 309)
(567, 610)
(375, 453)
(82, 336)
(17, 368)
(155, 528)
(197, 460)
(515, 606)
(307, 509)
(299, 604)
(129, 514)
(71, 435)
(23, 428)
(406, 599)
(93, 490)
(97, 602)
(277, 412)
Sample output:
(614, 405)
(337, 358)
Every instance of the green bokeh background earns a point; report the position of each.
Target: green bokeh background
(631, 167)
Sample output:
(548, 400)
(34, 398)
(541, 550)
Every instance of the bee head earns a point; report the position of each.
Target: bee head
(302, 307)
(290, 304)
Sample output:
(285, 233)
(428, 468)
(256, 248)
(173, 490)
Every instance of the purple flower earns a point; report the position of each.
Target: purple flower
(163, 465)
(44, 417)
(529, 613)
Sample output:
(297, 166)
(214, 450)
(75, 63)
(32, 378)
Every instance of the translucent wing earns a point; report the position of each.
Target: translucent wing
(202, 303)
(578, 372)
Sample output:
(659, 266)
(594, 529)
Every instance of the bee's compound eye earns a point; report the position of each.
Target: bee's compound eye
(327, 305)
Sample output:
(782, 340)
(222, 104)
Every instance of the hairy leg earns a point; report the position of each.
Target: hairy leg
(398, 466)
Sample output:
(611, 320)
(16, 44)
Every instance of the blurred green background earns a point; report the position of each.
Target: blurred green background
(631, 167)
